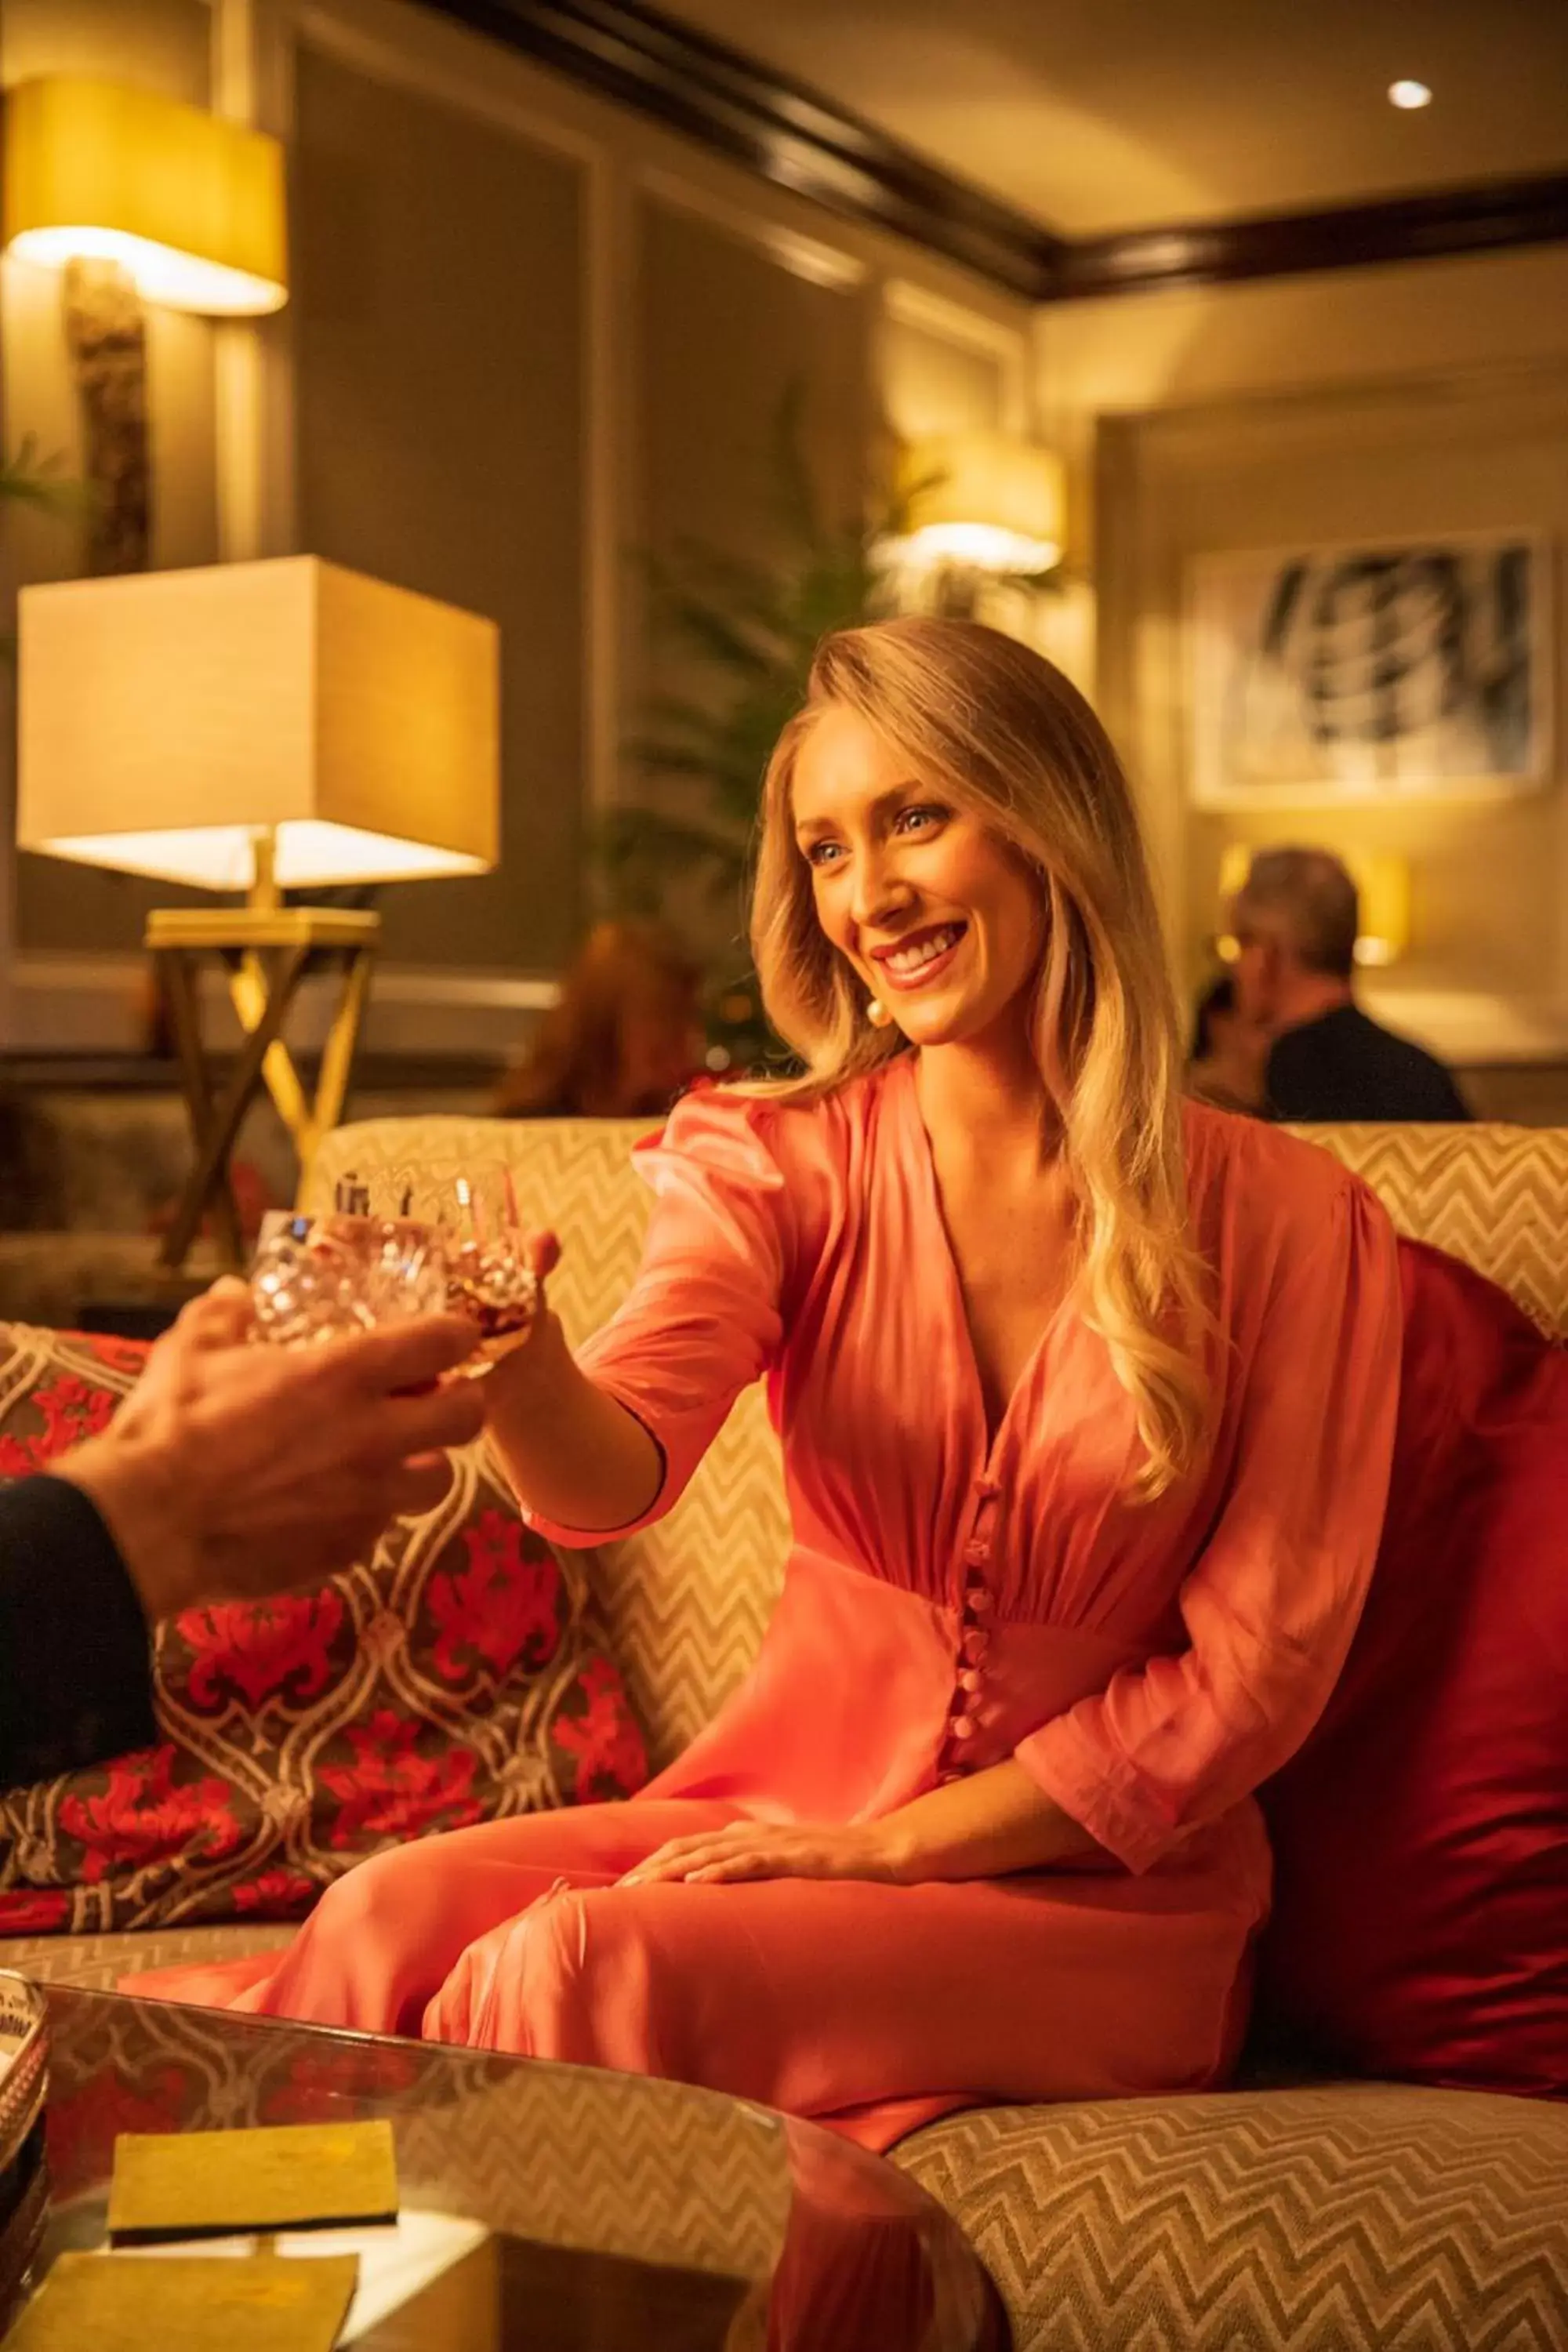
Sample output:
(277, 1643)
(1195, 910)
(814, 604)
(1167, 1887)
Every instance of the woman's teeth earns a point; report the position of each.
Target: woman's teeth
(924, 950)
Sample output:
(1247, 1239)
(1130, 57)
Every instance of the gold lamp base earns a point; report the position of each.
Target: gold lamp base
(266, 950)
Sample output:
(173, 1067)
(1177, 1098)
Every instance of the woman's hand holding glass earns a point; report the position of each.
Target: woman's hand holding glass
(371, 1260)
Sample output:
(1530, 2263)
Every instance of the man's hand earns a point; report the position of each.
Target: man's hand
(234, 1471)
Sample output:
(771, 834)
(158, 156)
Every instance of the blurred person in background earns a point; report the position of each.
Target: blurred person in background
(1295, 921)
(626, 1035)
(1229, 1054)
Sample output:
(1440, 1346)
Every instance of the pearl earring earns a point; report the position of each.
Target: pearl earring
(877, 1012)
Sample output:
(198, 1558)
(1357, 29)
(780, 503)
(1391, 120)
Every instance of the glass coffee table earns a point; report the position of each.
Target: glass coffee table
(561, 2208)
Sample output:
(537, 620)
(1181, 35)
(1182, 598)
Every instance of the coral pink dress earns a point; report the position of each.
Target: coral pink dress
(955, 1595)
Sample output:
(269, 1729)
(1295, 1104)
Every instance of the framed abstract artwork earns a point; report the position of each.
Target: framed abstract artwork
(1371, 673)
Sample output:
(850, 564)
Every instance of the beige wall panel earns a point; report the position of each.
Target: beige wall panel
(439, 393)
(723, 329)
(934, 383)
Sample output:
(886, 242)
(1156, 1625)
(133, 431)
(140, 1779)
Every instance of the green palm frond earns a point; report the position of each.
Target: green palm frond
(26, 480)
(29, 480)
(625, 834)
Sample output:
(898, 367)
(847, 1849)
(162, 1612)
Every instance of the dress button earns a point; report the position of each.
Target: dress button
(976, 1551)
(962, 1726)
(976, 1599)
(975, 1644)
(969, 1679)
(947, 1776)
(986, 1487)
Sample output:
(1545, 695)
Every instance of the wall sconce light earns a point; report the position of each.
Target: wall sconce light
(189, 204)
(1382, 878)
(135, 198)
(985, 501)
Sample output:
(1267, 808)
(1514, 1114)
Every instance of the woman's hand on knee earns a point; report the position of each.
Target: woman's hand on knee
(754, 1850)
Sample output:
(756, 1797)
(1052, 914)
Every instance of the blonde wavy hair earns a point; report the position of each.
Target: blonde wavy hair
(1006, 735)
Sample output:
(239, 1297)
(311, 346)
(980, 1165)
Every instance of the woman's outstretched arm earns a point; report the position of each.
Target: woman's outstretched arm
(602, 1443)
(574, 1456)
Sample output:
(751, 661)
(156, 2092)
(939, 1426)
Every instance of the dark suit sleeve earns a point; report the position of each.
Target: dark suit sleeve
(1287, 1088)
(74, 1672)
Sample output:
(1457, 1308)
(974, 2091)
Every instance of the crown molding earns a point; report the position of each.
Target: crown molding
(796, 138)
(1491, 217)
(780, 129)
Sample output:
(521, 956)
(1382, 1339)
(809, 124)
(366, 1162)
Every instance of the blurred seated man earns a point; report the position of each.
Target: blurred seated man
(1295, 920)
(230, 1473)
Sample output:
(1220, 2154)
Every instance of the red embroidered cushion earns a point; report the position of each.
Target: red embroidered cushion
(457, 1676)
(1421, 1915)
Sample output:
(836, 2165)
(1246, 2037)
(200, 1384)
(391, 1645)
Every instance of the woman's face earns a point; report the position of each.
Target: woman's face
(942, 920)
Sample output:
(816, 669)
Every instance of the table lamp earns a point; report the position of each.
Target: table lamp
(258, 728)
(984, 500)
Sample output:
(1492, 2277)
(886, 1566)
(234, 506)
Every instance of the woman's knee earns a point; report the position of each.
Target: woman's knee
(573, 1979)
(380, 1896)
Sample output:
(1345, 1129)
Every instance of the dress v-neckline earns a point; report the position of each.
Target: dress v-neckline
(992, 1433)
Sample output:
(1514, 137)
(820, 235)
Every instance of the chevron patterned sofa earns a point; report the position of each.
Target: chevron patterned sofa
(1320, 2216)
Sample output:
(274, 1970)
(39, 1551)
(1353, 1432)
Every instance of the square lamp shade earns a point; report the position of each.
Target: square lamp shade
(191, 204)
(984, 499)
(169, 720)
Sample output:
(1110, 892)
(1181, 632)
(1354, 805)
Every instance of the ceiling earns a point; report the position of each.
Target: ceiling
(1096, 116)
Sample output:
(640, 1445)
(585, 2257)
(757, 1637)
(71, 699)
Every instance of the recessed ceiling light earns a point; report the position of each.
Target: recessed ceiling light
(1409, 94)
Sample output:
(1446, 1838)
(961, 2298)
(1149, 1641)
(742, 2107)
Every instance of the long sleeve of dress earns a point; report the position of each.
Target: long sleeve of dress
(73, 1641)
(703, 1318)
(1273, 1600)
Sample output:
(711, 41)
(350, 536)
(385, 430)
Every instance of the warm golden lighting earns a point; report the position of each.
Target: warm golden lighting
(190, 205)
(306, 855)
(1382, 878)
(1235, 866)
(986, 501)
(180, 281)
(1382, 882)
(170, 721)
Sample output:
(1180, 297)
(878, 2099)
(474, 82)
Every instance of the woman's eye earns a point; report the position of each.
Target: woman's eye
(921, 819)
(823, 852)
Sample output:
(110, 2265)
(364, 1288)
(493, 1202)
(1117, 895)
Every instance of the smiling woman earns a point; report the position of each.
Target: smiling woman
(947, 823)
(1087, 1406)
